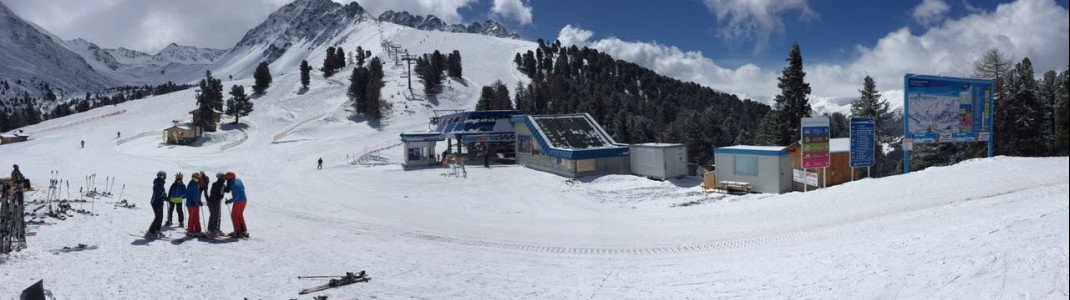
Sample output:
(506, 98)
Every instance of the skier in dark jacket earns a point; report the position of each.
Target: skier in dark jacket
(215, 198)
(175, 195)
(157, 200)
(17, 179)
(205, 183)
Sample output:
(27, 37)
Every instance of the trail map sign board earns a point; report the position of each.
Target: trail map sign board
(815, 142)
(946, 110)
(863, 142)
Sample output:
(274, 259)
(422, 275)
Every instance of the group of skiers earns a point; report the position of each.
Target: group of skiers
(190, 194)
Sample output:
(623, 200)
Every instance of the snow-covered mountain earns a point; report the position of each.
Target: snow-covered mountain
(31, 54)
(136, 67)
(300, 30)
(175, 53)
(304, 29)
(431, 22)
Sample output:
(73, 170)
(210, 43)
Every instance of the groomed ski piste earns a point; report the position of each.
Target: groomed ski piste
(984, 228)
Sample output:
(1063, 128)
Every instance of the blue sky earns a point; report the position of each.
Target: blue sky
(690, 25)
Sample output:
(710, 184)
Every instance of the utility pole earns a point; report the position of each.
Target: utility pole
(408, 62)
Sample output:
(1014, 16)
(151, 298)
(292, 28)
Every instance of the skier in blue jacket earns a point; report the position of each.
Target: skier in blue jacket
(193, 204)
(175, 195)
(237, 195)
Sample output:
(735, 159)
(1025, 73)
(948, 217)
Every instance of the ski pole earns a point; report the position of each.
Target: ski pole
(318, 276)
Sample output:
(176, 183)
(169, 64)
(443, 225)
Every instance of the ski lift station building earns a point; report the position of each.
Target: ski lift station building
(569, 145)
(492, 129)
(766, 168)
(659, 160)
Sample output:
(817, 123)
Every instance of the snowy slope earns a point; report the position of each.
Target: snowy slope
(982, 229)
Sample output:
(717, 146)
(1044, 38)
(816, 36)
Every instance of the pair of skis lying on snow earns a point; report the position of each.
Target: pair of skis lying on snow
(336, 281)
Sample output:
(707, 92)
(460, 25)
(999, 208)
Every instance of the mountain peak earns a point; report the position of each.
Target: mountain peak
(315, 21)
(434, 23)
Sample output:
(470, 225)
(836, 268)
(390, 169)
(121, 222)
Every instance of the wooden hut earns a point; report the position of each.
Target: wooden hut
(181, 134)
(839, 170)
(13, 138)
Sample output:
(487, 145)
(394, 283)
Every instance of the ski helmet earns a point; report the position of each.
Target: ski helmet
(161, 174)
(219, 175)
(229, 176)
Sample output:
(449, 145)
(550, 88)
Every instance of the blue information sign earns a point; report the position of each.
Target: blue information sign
(946, 110)
(863, 142)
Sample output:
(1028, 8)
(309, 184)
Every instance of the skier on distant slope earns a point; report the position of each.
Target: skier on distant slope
(193, 203)
(175, 196)
(214, 199)
(237, 195)
(158, 197)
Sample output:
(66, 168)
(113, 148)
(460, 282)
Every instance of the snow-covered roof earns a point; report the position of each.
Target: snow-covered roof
(757, 148)
(840, 145)
(658, 145)
(752, 150)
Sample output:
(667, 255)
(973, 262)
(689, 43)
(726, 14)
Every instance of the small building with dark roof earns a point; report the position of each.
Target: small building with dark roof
(571, 145)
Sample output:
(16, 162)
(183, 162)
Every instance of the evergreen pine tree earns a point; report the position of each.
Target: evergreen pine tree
(262, 75)
(360, 56)
(339, 58)
(486, 99)
(239, 104)
(306, 78)
(501, 96)
(1048, 96)
(209, 100)
(792, 102)
(373, 101)
(358, 89)
(453, 64)
(1062, 116)
(871, 105)
(839, 125)
(1019, 129)
(529, 65)
(329, 68)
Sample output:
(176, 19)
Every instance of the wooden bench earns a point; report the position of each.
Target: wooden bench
(735, 187)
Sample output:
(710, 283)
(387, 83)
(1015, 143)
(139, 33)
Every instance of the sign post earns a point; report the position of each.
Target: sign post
(946, 110)
(815, 143)
(863, 143)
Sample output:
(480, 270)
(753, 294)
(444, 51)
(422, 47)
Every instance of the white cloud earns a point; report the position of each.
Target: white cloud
(513, 9)
(571, 35)
(930, 11)
(1037, 29)
(757, 20)
(447, 10)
